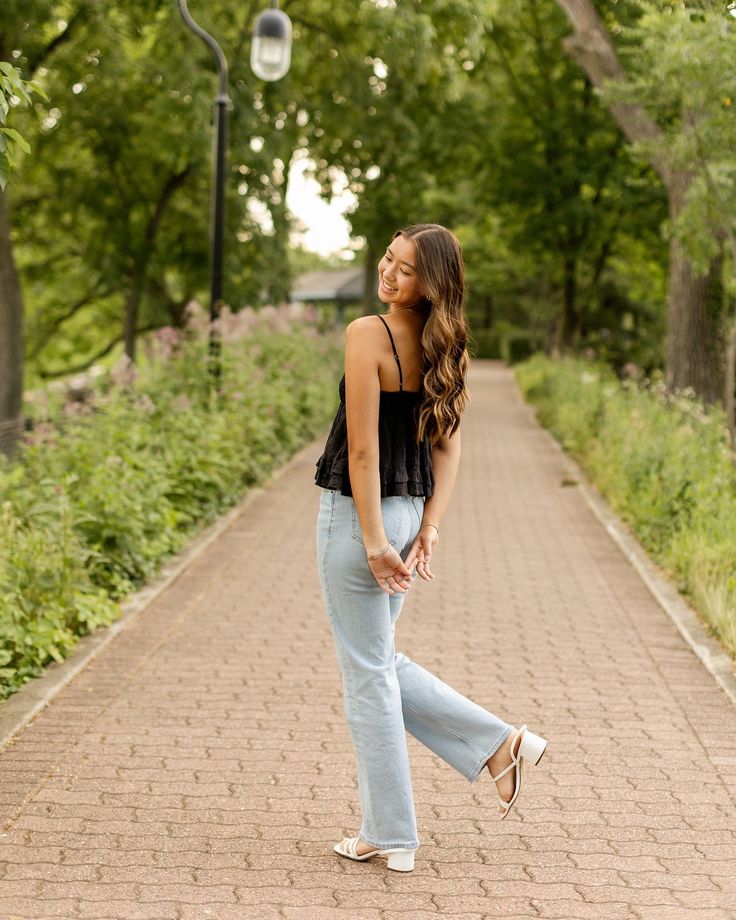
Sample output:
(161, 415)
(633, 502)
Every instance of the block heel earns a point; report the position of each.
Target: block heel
(532, 747)
(401, 860)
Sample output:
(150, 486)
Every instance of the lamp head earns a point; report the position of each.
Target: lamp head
(270, 53)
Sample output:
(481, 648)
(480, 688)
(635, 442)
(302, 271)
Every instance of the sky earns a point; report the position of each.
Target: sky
(328, 231)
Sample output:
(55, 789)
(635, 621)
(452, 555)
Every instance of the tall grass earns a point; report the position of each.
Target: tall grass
(664, 463)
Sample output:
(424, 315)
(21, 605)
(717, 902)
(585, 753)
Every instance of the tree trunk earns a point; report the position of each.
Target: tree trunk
(132, 303)
(487, 311)
(693, 346)
(568, 321)
(138, 276)
(371, 279)
(11, 338)
(729, 390)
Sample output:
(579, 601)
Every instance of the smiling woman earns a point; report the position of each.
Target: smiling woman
(398, 275)
(386, 474)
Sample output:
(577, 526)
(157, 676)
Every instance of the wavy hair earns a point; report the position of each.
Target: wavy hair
(441, 279)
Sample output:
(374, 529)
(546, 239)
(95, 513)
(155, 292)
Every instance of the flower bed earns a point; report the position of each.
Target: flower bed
(121, 469)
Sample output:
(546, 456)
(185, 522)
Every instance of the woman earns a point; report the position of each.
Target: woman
(386, 474)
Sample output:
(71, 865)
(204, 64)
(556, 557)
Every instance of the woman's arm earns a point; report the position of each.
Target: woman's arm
(362, 401)
(445, 464)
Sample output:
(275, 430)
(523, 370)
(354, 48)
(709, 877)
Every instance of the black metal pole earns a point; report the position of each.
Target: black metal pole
(217, 231)
(217, 205)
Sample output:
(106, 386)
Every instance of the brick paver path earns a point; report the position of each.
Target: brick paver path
(201, 767)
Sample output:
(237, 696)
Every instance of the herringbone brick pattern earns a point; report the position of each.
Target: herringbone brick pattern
(201, 767)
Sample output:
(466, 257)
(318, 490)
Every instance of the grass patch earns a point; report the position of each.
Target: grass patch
(664, 464)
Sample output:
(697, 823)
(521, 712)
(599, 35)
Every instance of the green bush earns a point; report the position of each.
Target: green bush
(503, 342)
(664, 463)
(99, 495)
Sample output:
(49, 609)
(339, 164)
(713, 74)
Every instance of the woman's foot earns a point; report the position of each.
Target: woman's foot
(499, 761)
(364, 848)
(400, 859)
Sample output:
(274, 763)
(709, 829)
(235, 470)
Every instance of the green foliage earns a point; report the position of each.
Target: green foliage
(47, 593)
(679, 60)
(98, 498)
(464, 112)
(662, 460)
(96, 217)
(13, 88)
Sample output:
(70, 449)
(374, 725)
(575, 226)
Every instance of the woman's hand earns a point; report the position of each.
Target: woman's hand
(390, 571)
(421, 551)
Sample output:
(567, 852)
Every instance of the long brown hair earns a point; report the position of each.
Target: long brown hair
(441, 279)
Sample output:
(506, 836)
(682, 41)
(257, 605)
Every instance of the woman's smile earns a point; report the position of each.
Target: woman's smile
(401, 286)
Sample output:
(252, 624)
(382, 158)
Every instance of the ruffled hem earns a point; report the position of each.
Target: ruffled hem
(387, 489)
(393, 481)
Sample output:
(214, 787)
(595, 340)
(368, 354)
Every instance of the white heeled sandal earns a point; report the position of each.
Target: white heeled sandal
(530, 748)
(399, 858)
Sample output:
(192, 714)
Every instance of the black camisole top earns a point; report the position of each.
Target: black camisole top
(405, 467)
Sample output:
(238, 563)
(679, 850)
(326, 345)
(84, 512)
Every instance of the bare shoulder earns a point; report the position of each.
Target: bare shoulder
(363, 346)
(362, 353)
(362, 327)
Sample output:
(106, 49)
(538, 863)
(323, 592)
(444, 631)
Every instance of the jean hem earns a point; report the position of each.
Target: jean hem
(475, 773)
(414, 845)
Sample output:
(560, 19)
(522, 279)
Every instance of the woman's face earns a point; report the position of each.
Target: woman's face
(397, 276)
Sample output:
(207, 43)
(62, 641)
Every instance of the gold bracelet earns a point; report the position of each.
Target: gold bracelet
(371, 558)
(430, 524)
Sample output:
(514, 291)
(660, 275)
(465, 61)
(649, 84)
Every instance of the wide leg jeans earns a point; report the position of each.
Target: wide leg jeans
(385, 693)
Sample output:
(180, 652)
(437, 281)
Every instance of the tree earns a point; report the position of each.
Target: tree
(12, 88)
(476, 119)
(653, 106)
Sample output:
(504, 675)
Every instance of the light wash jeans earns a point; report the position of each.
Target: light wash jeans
(384, 692)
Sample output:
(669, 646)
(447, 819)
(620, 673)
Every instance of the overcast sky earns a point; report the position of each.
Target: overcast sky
(328, 230)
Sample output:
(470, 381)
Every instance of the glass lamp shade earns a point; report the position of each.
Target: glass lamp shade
(270, 53)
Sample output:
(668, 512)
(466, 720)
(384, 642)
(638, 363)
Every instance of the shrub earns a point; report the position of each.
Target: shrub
(102, 491)
(662, 460)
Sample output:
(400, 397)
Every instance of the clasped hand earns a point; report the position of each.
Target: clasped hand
(395, 574)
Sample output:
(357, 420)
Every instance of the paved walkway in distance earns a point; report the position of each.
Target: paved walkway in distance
(201, 767)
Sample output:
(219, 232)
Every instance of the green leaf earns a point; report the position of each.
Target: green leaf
(36, 87)
(18, 138)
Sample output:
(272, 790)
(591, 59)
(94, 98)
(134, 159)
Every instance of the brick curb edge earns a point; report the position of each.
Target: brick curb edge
(708, 649)
(22, 706)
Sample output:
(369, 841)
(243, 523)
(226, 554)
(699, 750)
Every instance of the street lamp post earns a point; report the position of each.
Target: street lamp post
(217, 206)
(270, 59)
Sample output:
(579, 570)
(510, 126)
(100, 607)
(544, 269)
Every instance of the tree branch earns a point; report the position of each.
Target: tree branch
(590, 46)
(78, 368)
(170, 186)
(36, 60)
(52, 325)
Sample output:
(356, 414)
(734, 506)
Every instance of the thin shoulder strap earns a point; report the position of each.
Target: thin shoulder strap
(393, 346)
